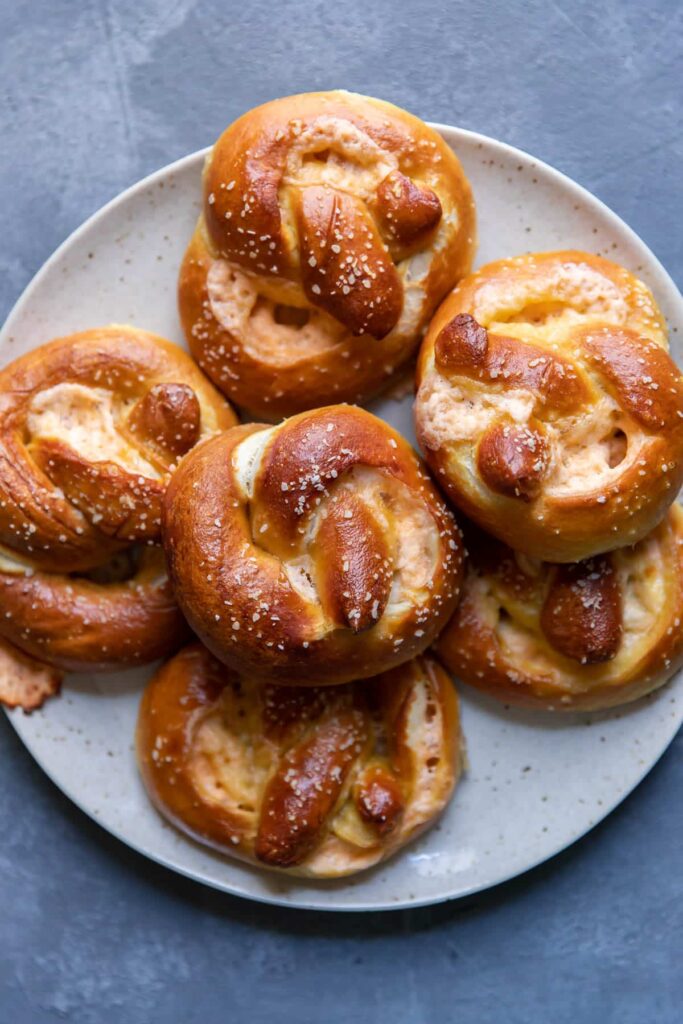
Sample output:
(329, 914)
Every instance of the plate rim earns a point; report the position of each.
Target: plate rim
(452, 134)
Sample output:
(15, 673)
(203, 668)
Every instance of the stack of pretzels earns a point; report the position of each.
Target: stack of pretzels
(551, 414)
(305, 572)
(91, 427)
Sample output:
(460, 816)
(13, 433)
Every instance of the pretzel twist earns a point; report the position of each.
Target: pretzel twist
(592, 634)
(549, 407)
(333, 224)
(316, 551)
(91, 427)
(322, 782)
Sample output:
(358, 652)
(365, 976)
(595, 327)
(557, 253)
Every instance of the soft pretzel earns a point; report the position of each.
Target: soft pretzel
(333, 224)
(588, 635)
(316, 551)
(91, 426)
(548, 405)
(322, 782)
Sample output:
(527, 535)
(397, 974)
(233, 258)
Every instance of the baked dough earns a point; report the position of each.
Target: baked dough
(590, 635)
(548, 406)
(320, 782)
(91, 426)
(314, 552)
(333, 225)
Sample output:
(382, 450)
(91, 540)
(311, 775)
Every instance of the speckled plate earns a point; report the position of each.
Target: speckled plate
(535, 782)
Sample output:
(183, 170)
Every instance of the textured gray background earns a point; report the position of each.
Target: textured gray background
(97, 93)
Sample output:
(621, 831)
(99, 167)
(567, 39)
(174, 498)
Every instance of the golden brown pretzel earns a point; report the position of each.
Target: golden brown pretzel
(322, 782)
(548, 405)
(91, 426)
(333, 224)
(588, 635)
(316, 551)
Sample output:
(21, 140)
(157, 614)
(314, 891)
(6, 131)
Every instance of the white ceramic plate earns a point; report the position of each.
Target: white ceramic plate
(535, 782)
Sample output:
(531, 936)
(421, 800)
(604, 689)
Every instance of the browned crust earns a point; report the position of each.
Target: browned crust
(303, 792)
(61, 513)
(406, 211)
(167, 418)
(125, 507)
(330, 752)
(590, 632)
(79, 625)
(248, 206)
(357, 284)
(508, 363)
(351, 535)
(566, 375)
(379, 798)
(630, 368)
(512, 459)
(581, 616)
(225, 555)
(36, 520)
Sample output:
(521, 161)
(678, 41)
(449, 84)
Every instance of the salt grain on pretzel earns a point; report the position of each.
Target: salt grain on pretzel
(548, 405)
(317, 551)
(91, 427)
(333, 224)
(321, 782)
(588, 635)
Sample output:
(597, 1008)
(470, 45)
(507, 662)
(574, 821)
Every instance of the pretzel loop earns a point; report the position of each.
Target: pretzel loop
(91, 427)
(332, 226)
(321, 782)
(581, 636)
(319, 552)
(549, 407)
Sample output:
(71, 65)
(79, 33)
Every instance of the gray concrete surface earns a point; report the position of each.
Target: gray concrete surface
(97, 93)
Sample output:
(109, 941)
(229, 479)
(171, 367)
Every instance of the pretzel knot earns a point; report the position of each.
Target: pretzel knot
(321, 781)
(90, 428)
(591, 634)
(549, 406)
(316, 551)
(332, 226)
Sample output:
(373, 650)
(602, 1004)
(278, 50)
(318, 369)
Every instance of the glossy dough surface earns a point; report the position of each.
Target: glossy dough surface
(590, 635)
(333, 225)
(322, 782)
(315, 551)
(548, 405)
(91, 426)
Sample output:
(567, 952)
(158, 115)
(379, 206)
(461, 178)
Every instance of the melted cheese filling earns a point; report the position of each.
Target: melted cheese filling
(246, 309)
(449, 415)
(577, 290)
(246, 460)
(334, 152)
(84, 418)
